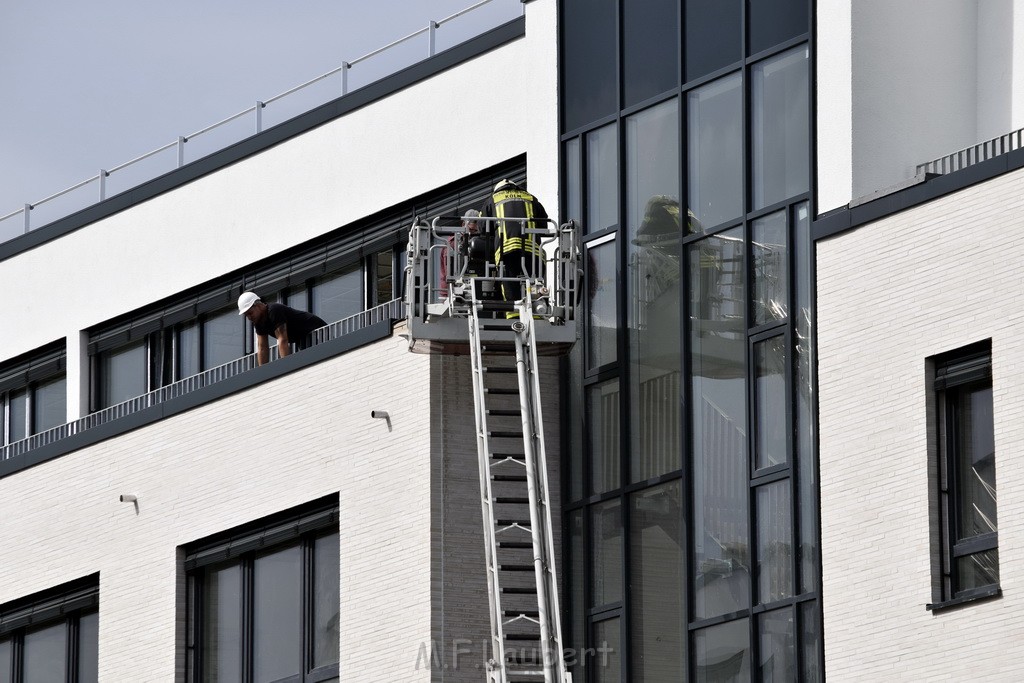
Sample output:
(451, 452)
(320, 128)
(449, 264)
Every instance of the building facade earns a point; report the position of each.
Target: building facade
(776, 441)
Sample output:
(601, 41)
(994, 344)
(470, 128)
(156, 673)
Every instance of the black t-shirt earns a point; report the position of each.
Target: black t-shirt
(298, 323)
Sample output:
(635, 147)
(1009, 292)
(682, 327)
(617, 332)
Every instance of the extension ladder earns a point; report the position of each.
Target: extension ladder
(526, 634)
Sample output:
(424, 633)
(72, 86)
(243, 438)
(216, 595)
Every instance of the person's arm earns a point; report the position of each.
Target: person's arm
(262, 350)
(283, 346)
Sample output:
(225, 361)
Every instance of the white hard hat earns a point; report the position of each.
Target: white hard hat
(504, 185)
(246, 301)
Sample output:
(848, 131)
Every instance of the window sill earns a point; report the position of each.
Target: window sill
(983, 594)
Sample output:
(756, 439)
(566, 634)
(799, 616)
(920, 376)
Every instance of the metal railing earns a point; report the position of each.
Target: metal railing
(392, 310)
(255, 111)
(969, 156)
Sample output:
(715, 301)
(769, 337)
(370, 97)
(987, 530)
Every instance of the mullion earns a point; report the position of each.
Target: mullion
(71, 650)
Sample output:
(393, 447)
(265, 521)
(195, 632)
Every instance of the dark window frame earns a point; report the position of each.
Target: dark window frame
(301, 526)
(953, 374)
(65, 604)
(25, 374)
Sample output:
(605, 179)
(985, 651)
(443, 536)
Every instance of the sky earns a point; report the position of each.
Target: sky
(91, 85)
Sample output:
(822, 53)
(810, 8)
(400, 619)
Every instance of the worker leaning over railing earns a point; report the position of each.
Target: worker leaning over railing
(515, 248)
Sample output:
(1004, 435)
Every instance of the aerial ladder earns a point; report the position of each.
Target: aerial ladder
(455, 307)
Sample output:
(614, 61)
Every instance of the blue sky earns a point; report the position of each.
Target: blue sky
(90, 85)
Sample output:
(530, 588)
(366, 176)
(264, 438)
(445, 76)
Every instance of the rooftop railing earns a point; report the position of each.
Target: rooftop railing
(392, 310)
(969, 156)
(20, 221)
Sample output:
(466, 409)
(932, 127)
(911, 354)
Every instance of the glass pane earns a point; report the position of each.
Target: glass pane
(50, 404)
(650, 54)
(277, 615)
(652, 185)
(778, 648)
(297, 299)
(772, 422)
(714, 35)
(577, 594)
(603, 435)
(602, 180)
(326, 600)
(977, 463)
(781, 132)
(385, 277)
(606, 535)
(656, 587)
(771, 268)
(810, 640)
(602, 310)
(575, 423)
(223, 339)
(573, 181)
(188, 350)
(804, 418)
(340, 295)
(88, 647)
(6, 654)
(45, 653)
(722, 653)
(124, 374)
(588, 65)
(775, 21)
(222, 625)
(715, 138)
(774, 542)
(978, 570)
(608, 658)
(18, 415)
(719, 416)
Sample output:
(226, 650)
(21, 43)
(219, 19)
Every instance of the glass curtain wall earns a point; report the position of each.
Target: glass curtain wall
(692, 498)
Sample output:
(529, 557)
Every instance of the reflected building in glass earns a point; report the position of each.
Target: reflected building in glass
(691, 502)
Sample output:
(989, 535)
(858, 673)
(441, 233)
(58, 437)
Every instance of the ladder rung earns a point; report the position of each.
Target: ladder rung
(515, 567)
(516, 545)
(508, 477)
(519, 590)
(521, 636)
(513, 456)
(523, 658)
(511, 500)
(520, 613)
(523, 676)
(504, 412)
(497, 306)
(502, 391)
(504, 434)
(510, 522)
(502, 370)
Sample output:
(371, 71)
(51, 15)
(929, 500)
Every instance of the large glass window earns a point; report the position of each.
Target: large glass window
(606, 541)
(122, 374)
(339, 295)
(715, 134)
(49, 404)
(655, 232)
(602, 309)
(60, 644)
(719, 421)
(780, 128)
(650, 55)
(602, 405)
(588, 60)
(775, 21)
(722, 653)
(714, 35)
(272, 611)
(967, 473)
(223, 338)
(602, 179)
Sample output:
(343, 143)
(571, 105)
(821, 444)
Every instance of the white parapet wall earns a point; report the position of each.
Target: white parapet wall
(891, 294)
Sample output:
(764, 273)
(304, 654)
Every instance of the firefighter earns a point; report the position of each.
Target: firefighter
(518, 252)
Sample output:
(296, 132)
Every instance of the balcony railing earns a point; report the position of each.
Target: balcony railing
(392, 310)
(11, 226)
(969, 156)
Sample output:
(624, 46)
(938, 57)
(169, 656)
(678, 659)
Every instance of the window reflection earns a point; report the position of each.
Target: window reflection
(123, 374)
(608, 660)
(44, 654)
(774, 542)
(722, 653)
(326, 600)
(606, 535)
(602, 310)
(715, 138)
(88, 648)
(714, 35)
(49, 406)
(655, 231)
(277, 615)
(778, 648)
(603, 431)
(771, 268)
(772, 419)
(222, 338)
(222, 630)
(18, 415)
(339, 296)
(719, 418)
(602, 179)
(6, 654)
(780, 129)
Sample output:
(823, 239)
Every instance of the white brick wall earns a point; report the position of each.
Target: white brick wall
(226, 463)
(890, 294)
